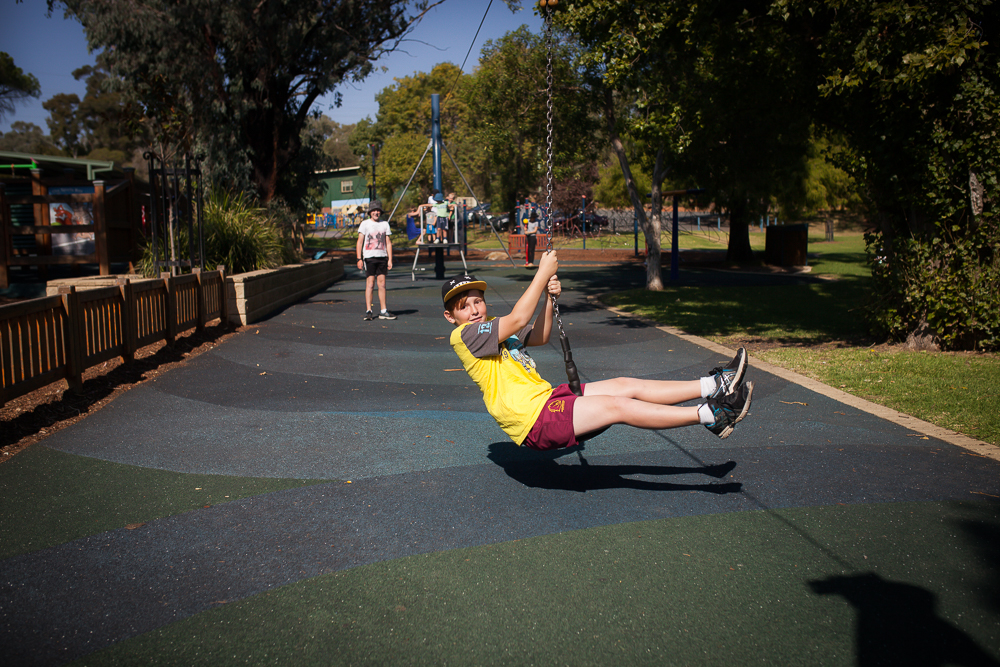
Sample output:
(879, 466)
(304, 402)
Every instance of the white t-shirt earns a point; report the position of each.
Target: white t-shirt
(375, 235)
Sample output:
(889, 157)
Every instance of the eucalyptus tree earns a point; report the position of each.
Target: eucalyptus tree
(915, 90)
(509, 94)
(716, 91)
(100, 126)
(401, 133)
(239, 77)
(15, 84)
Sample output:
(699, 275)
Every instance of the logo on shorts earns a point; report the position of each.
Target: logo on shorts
(557, 405)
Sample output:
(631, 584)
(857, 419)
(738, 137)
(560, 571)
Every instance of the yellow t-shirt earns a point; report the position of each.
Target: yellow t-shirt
(513, 391)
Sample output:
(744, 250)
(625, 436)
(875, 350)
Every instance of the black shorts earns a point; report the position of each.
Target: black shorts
(376, 266)
(442, 223)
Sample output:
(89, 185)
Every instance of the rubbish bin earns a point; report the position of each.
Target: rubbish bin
(785, 245)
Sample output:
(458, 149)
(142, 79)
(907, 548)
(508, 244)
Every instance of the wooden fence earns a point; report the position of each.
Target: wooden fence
(58, 337)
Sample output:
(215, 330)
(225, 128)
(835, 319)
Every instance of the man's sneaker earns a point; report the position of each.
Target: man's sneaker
(386, 315)
(729, 377)
(728, 410)
(369, 316)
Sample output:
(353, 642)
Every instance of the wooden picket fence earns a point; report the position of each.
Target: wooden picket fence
(58, 337)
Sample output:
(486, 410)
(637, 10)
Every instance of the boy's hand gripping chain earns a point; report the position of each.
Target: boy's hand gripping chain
(571, 373)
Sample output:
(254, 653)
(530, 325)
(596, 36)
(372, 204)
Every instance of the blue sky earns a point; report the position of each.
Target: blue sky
(52, 47)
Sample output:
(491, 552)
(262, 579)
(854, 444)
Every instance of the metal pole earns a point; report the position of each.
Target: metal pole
(373, 197)
(436, 140)
(201, 218)
(635, 232)
(190, 208)
(675, 256)
(150, 157)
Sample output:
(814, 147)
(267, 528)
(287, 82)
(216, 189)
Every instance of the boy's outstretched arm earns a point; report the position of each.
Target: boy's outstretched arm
(542, 329)
(525, 307)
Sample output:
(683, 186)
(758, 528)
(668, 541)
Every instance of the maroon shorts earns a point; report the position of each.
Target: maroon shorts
(554, 427)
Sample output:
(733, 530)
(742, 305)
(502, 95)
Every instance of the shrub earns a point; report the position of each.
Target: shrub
(238, 234)
(949, 286)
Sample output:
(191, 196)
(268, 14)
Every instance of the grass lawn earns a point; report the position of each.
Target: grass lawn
(818, 330)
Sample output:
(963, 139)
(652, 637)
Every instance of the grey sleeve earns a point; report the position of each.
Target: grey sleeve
(483, 339)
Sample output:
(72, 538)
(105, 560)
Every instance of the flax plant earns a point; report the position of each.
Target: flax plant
(238, 235)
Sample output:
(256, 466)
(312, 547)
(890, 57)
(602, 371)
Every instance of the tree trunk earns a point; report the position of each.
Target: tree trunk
(739, 231)
(656, 194)
(650, 228)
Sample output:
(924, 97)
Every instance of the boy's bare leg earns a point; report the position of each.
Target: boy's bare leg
(381, 291)
(593, 413)
(369, 285)
(662, 392)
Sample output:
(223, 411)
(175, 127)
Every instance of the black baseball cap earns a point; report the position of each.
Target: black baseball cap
(460, 284)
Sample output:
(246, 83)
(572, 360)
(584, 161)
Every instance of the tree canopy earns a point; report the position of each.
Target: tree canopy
(715, 91)
(913, 88)
(26, 137)
(401, 132)
(99, 126)
(15, 84)
(509, 94)
(239, 77)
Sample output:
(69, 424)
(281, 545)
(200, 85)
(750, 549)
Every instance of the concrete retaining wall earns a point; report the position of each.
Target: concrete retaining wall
(252, 296)
(255, 295)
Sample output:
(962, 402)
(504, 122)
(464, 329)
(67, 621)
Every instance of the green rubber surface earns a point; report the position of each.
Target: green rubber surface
(905, 584)
(48, 497)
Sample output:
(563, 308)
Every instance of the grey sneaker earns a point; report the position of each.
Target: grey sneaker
(386, 315)
(729, 410)
(729, 378)
(369, 316)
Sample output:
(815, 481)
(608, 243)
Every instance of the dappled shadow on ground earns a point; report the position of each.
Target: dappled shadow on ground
(627, 323)
(541, 470)
(579, 307)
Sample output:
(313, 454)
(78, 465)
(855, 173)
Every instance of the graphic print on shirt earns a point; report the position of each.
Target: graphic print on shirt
(514, 348)
(375, 241)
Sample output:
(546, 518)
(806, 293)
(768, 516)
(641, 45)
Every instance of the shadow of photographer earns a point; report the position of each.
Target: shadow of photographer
(898, 624)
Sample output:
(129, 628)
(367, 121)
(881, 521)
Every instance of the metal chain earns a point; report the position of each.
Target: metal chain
(548, 118)
(548, 153)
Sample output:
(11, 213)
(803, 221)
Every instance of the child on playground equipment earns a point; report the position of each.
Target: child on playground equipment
(430, 219)
(534, 414)
(440, 209)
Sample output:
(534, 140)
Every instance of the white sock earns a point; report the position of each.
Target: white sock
(705, 415)
(708, 386)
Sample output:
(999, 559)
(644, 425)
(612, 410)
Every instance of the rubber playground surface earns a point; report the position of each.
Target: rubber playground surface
(322, 490)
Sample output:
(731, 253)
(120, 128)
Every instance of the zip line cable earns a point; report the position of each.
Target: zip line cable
(462, 68)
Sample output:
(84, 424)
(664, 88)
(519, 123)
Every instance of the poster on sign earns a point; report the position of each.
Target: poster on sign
(67, 215)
